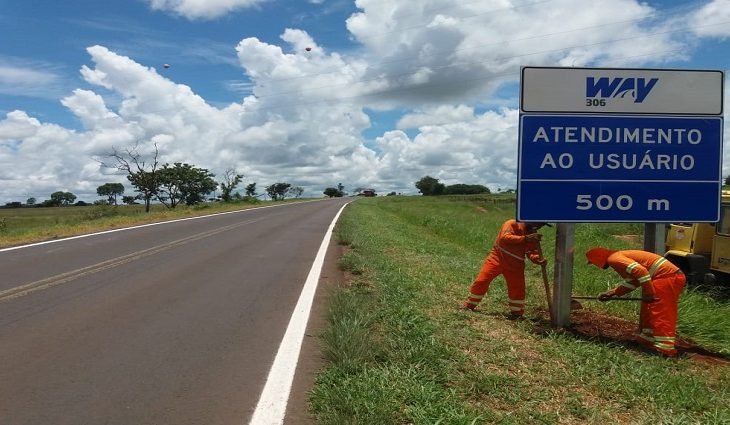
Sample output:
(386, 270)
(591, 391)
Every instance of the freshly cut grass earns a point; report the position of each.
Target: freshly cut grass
(401, 352)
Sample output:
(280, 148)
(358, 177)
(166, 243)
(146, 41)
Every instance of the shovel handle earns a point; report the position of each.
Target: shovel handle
(545, 282)
(579, 297)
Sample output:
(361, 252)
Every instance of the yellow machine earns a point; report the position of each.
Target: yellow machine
(702, 250)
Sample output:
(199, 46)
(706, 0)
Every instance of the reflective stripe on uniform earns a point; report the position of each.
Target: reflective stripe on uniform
(515, 301)
(644, 279)
(664, 342)
(656, 265)
(476, 297)
(510, 254)
(668, 346)
(513, 308)
(631, 267)
(472, 302)
(646, 337)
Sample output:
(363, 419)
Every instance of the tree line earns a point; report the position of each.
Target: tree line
(168, 184)
(430, 186)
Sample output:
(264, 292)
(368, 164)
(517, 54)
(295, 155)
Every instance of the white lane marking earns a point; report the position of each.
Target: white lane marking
(271, 407)
(146, 225)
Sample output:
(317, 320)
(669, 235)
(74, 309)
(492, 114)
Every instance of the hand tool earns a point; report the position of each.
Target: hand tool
(583, 297)
(545, 283)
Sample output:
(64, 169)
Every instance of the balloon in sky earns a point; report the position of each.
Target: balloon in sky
(308, 49)
(167, 65)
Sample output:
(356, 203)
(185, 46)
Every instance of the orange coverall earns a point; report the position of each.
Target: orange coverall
(507, 258)
(659, 279)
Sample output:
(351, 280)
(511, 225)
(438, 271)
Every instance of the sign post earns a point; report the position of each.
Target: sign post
(617, 145)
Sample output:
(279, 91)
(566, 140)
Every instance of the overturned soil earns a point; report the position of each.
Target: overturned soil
(610, 329)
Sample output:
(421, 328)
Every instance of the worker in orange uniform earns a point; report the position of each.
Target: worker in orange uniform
(515, 241)
(661, 284)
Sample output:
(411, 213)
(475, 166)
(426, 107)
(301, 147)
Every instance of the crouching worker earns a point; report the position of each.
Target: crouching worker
(661, 284)
(514, 241)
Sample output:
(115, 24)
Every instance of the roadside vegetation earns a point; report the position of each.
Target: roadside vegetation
(20, 226)
(401, 352)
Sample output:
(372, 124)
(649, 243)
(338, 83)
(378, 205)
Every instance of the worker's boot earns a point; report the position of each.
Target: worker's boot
(467, 306)
(666, 353)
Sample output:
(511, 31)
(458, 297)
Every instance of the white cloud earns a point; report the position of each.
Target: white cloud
(18, 125)
(440, 52)
(439, 115)
(430, 64)
(712, 19)
(202, 9)
(27, 80)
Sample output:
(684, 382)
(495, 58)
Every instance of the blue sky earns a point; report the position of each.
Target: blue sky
(52, 36)
(368, 93)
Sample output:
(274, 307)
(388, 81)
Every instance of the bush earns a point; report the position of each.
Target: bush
(100, 211)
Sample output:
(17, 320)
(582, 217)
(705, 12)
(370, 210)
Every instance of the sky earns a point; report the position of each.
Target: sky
(366, 93)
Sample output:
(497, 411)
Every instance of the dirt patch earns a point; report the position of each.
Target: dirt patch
(636, 239)
(482, 210)
(592, 325)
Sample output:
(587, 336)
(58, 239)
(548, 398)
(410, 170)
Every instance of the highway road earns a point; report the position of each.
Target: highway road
(174, 324)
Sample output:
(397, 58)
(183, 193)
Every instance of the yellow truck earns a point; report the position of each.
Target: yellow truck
(702, 250)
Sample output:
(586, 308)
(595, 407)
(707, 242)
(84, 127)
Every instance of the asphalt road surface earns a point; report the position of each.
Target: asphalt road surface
(171, 324)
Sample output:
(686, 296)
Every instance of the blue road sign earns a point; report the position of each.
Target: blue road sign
(601, 168)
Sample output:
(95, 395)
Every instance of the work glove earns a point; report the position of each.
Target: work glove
(649, 299)
(533, 237)
(606, 296)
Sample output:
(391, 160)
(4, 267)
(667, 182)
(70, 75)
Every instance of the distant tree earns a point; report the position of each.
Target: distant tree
(278, 191)
(341, 188)
(391, 194)
(130, 200)
(61, 198)
(231, 179)
(16, 204)
(31, 201)
(141, 174)
(296, 191)
(465, 189)
(184, 183)
(429, 186)
(333, 192)
(251, 189)
(81, 204)
(111, 191)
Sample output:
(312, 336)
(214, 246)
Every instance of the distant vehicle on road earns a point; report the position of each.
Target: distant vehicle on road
(367, 192)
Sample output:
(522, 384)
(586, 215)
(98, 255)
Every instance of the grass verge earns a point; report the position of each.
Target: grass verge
(19, 226)
(401, 352)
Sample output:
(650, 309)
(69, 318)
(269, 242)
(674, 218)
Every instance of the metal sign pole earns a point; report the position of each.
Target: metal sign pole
(654, 238)
(563, 275)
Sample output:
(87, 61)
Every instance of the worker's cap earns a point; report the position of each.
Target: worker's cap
(599, 256)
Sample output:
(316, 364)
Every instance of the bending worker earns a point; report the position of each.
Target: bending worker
(661, 284)
(514, 241)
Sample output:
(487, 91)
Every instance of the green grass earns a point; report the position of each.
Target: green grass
(26, 225)
(401, 353)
